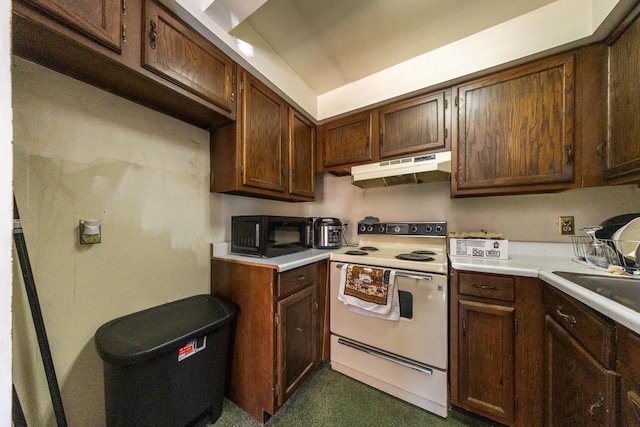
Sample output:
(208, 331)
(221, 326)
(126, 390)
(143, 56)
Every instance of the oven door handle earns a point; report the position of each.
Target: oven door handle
(414, 276)
(407, 275)
(384, 356)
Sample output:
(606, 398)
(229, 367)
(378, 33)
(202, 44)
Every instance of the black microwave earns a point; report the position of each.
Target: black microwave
(270, 236)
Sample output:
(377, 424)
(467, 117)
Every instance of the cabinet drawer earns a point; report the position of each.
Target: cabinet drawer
(298, 278)
(590, 328)
(487, 286)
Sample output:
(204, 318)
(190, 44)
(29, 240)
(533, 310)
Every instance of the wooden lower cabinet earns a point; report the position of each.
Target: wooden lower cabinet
(628, 367)
(496, 332)
(581, 386)
(277, 339)
(579, 390)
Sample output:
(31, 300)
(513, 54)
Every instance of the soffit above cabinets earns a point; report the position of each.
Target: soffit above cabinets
(333, 56)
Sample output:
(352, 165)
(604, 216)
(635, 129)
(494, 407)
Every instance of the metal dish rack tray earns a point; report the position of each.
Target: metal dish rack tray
(625, 251)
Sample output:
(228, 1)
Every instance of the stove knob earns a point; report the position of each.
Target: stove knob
(363, 227)
(396, 229)
(414, 228)
(381, 229)
(438, 229)
(429, 229)
(370, 228)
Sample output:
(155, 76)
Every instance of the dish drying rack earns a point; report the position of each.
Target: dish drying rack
(625, 250)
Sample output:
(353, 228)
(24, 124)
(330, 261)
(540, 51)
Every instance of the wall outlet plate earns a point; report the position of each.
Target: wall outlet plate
(567, 225)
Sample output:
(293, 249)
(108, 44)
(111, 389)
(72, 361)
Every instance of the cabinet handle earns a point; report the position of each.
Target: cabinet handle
(299, 278)
(598, 404)
(600, 150)
(124, 7)
(485, 287)
(569, 318)
(634, 402)
(569, 149)
(124, 33)
(154, 34)
(293, 175)
(381, 139)
(464, 326)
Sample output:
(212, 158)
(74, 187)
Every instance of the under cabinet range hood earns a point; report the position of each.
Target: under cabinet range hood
(408, 170)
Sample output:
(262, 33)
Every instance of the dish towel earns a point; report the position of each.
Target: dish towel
(369, 291)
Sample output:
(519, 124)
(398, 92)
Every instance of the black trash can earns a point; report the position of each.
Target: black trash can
(165, 366)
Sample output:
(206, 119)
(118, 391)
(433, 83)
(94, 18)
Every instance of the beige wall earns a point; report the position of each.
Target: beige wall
(81, 153)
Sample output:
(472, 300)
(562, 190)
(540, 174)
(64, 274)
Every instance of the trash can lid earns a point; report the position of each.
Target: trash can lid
(142, 335)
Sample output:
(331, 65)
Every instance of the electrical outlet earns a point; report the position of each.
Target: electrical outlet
(567, 225)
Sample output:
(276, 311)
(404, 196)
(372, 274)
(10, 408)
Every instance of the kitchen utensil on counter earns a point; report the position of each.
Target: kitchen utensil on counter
(598, 252)
(328, 233)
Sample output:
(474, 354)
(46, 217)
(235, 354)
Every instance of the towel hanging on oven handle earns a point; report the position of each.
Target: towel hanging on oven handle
(399, 274)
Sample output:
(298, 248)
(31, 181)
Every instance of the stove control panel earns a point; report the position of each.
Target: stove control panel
(428, 229)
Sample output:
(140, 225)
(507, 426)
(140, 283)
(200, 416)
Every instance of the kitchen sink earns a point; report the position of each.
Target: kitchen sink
(623, 290)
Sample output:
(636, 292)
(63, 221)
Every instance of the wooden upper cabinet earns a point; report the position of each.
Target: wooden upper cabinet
(302, 146)
(514, 130)
(178, 53)
(413, 126)
(264, 117)
(347, 141)
(623, 145)
(101, 20)
(268, 152)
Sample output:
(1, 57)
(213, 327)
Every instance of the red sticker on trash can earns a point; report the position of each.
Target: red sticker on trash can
(191, 348)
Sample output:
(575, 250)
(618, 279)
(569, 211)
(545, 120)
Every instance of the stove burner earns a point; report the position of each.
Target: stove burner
(360, 253)
(415, 257)
(423, 252)
(369, 248)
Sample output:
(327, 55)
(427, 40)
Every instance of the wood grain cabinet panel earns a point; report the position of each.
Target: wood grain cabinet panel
(629, 370)
(268, 152)
(347, 141)
(515, 130)
(278, 333)
(302, 148)
(485, 359)
(413, 126)
(579, 390)
(178, 53)
(496, 331)
(99, 19)
(623, 148)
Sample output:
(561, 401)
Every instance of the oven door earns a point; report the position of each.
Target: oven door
(420, 334)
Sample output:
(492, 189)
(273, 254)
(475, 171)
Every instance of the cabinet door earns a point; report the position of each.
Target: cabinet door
(515, 130)
(623, 149)
(486, 359)
(347, 141)
(264, 118)
(302, 146)
(99, 19)
(297, 340)
(629, 370)
(413, 126)
(178, 53)
(578, 390)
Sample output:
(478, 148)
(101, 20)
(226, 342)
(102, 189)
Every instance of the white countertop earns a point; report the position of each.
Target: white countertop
(281, 263)
(528, 259)
(541, 260)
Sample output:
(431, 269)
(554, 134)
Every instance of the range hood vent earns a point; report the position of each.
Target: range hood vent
(409, 170)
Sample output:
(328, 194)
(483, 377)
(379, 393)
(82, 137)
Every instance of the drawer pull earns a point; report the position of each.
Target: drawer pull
(299, 278)
(598, 404)
(485, 287)
(569, 318)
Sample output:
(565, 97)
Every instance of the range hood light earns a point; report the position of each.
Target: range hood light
(409, 170)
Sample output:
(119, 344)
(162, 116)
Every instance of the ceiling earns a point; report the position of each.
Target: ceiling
(331, 43)
(331, 57)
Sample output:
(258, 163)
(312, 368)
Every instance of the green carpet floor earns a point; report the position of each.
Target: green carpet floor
(328, 398)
